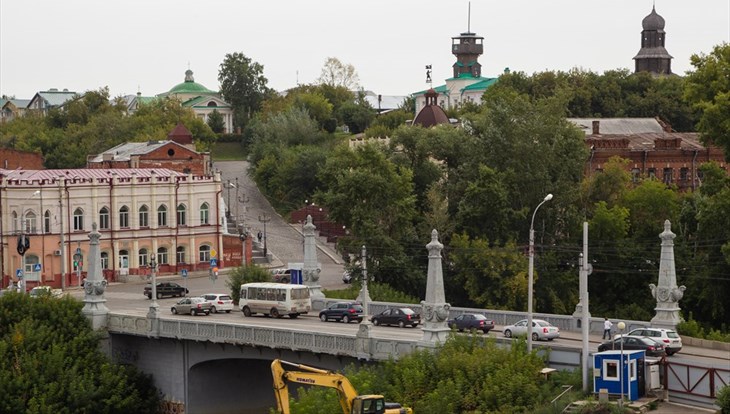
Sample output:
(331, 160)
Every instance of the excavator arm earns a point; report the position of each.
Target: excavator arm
(311, 376)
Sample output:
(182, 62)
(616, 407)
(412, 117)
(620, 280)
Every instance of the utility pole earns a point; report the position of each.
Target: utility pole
(585, 269)
(265, 219)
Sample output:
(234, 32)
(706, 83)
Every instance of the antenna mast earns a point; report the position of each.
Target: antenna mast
(468, 23)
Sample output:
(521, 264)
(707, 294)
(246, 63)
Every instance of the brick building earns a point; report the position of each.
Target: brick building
(11, 159)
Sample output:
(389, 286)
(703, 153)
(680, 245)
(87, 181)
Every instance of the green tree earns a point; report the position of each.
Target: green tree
(245, 274)
(243, 85)
(356, 115)
(708, 89)
(216, 122)
(316, 105)
(50, 361)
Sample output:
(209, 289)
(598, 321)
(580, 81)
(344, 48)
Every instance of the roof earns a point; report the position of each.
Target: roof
(18, 103)
(55, 97)
(85, 173)
(431, 115)
(198, 100)
(483, 84)
(619, 125)
(440, 89)
(646, 141)
(653, 52)
(189, 87)
(386, 101)
(124, 152)
(653, 21)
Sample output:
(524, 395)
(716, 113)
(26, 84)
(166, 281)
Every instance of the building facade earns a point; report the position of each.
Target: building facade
(141, 213)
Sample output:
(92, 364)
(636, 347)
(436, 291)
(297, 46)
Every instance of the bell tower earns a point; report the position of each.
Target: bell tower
(467, 47)
(652, 56)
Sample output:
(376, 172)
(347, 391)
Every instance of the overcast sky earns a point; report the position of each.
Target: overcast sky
(146, 45)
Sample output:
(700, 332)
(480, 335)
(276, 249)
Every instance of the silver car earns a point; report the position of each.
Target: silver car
(540, 330)
(193, 306)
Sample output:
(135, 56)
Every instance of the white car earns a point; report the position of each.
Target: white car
(219, 302)
(667, 337)
(540, 330)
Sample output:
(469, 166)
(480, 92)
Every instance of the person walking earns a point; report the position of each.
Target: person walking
(259, 236)
(607, 325)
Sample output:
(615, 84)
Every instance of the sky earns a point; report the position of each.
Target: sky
(146, 46)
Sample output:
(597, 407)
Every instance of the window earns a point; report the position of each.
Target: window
(124, 217)
(667, 175)
(180, 254)
(652, 172)
(47, 222)
(104, 260)
(29, 224)
(78, 219)
(683, 173)
(162, 216)
(144, 220)
(104, 219)
(162, 255)
(181, 215)
(204, 255)
(143, 257)
(610, 370)
(15, 222)
(204, 217)
(635, 175)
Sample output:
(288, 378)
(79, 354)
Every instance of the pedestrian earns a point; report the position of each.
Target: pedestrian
(607, 325)
(259, 236)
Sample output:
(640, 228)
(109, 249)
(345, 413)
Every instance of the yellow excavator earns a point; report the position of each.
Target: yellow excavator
(349, 400)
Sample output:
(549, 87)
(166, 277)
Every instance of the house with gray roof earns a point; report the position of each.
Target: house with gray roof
(53, 98)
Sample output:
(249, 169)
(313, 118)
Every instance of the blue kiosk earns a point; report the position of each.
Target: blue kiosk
(607, 372)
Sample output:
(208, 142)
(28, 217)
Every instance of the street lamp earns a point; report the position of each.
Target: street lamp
(154, 311)
(621, 326)
(265, 219)
(242, 235)
(23, 243)
(529, 273)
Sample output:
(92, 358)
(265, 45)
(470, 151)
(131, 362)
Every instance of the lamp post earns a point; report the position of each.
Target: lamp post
(265, 219)
(242, 235)
(529, 273)
(228, 204)
(621, 326)
(154, 311)
(23, 243)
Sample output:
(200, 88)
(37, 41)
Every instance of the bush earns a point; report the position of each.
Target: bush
(245, 274)
(694, 329)
(723, 399)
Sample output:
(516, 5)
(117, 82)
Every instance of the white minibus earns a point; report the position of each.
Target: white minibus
(274, 299)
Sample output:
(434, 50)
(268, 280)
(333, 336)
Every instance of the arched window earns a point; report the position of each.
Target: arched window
(47, 222)
(30, 223)
(104, 260)
(78, 219)
(30, 261)
(212, 104)
(180, 254)
(16, 227)
(143, 257)
(162, 255)
(104, 219)
(181, 215)
(204, 214)
(144, 219)
(162, 216)
(124, 217)
(204, 253)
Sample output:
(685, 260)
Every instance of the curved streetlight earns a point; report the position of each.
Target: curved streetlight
(529, 273)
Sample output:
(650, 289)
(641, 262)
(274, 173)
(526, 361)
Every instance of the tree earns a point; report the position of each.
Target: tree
(708, 89)
(335, 73)
(215, 122)
(356, 115)
(50, 361)
(243, 85)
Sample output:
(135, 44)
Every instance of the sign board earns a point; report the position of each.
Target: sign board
(37, 267)
(212, 262)
(213, 253)
(184, 272)
(19, 273)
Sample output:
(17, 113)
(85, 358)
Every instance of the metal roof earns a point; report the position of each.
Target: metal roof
(123, 152)
(56, 98)
(646, 141)
(84, 173)
(619, 125)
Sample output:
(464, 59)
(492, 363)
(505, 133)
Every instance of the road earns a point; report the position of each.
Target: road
(284, 240)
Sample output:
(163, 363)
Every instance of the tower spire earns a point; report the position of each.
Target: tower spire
(468, 19)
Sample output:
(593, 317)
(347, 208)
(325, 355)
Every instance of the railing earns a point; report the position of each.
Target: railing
(694, 384)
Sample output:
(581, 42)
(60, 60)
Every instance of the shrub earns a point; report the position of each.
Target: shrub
(245, 274)
(723, 399)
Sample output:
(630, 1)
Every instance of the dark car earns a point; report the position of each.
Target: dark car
(397, 316)
(469, 321)
(165, 289)
(635, 343)
(193, 306)
(342, 311)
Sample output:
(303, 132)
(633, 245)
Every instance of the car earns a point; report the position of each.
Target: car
(397, 316)
(281, 275)
(166, 289)
(669, 338)
(193, 306)
(635, 343)
(39, 291)
(469, 321)
(347, 276)
(541, 329)
(342, 311)
(219, 302)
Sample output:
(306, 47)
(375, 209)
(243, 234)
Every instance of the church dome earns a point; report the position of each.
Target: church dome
(653, 21)
(190, 87)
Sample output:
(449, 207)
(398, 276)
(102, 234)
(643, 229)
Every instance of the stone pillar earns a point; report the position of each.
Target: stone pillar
(435, 309)
(310, 269)
(666, 293)
(95, 284)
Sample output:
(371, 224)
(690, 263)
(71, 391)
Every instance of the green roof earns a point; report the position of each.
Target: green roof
(190, 87)
(194, 102)
(439, 89)
(483, 84)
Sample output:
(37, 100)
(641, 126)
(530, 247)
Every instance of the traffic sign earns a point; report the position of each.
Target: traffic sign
(37, 267)
(78, 250)
(212, 262)
(184, 272)
(19, 273)
(213, 253)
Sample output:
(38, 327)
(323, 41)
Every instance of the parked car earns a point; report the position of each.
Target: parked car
(469, 321)
(281, 275)
(39, 291)
(342, 311)
(219, 302)
(347, 276)
(668, 337)
(635, 343)
(193, 306)
(397, 316)
(165, 289)
(540, 330)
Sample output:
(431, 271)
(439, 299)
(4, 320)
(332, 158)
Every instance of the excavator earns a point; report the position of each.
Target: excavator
(350, 401)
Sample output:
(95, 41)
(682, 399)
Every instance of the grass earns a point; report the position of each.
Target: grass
(227, 151)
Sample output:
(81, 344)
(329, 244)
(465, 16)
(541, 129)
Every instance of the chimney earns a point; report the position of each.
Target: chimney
(596, 127)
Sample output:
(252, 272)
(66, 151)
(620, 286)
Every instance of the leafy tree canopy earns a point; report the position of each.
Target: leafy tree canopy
(243, 85)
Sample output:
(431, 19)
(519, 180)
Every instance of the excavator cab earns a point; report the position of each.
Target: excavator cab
(368, 404)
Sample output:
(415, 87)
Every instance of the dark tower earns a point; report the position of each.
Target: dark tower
(652, 56)
(467, 47)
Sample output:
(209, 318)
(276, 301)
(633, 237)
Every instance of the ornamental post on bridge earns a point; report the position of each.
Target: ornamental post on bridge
(95, 284)
(666, 293)
(435, 310)
(310, 268)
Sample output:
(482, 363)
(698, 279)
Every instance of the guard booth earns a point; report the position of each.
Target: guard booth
(607, 373)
